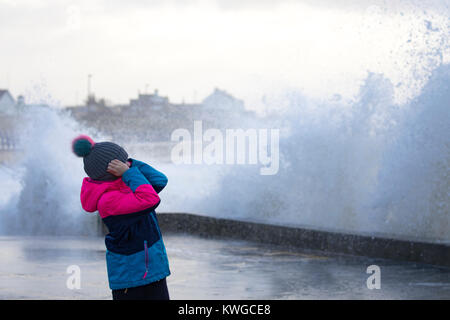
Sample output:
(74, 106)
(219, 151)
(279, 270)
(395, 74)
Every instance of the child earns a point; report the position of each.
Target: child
(124, 191)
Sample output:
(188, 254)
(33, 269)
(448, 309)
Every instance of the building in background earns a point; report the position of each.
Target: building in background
(221, 100)
(153, 101)
(152, 117)
(7, 103)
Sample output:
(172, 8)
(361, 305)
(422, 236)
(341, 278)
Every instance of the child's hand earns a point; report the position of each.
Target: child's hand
(117, 167)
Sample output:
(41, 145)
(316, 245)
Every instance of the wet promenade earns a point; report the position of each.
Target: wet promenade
(35, 268)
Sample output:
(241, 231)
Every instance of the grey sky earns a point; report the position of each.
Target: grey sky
(185, 48)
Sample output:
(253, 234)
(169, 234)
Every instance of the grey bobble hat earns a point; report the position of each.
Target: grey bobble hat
(97, 156)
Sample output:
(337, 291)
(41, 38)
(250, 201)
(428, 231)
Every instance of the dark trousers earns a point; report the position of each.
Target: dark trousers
(152, 291)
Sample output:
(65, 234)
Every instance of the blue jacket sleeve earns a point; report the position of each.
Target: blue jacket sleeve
(134, 178)
(157, 179)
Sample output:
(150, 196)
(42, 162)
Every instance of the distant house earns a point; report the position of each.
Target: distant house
(153, 101)
(7, 103)
(221, 100)
(92, 105)
(96, 105)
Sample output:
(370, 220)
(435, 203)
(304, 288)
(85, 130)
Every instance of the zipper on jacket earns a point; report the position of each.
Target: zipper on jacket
(146, 259)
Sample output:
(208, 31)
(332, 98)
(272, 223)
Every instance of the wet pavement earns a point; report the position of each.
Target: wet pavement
(36, 268)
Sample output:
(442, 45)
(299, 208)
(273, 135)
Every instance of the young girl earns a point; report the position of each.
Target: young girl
(124, 191)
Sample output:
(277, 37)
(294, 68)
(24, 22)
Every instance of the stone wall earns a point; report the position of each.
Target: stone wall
(376, 246)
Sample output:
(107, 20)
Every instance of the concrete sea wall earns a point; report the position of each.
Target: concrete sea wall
(378, 246)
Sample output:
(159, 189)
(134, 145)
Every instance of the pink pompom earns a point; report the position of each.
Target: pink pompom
(83, 137)
(82, 145)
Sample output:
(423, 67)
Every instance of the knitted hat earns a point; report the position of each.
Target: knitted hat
(97, 156)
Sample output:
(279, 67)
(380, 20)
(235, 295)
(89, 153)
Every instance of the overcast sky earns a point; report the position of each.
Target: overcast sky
(185, 48)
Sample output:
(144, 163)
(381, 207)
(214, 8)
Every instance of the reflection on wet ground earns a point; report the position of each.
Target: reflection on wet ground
(35, 268)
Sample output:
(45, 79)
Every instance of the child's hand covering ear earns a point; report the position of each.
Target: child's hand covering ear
(117, 167)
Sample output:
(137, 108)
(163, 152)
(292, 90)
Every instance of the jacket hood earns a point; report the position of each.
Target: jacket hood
(92, 191)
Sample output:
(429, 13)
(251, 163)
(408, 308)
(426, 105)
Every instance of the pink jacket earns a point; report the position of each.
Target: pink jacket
(115, 197)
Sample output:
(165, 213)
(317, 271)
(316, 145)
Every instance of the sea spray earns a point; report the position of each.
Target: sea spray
(361, 165)
(49, 176)
(413, 187)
